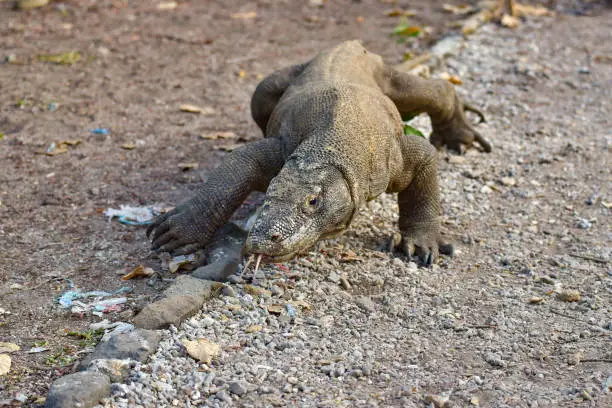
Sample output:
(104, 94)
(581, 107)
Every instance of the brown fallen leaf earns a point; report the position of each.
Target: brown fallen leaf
(359, 19)
(190, 108)
(187, 166)
(140, 270)
(536, 300)
(128, 146)
(256, 290)
(302, 303)
(397, 12)
(569, 295)
(602, 58)
(74, 142)
(249, 15)
(508, 21)
(454, 79)
(202, 349)
(5, 364)
(167, 5)
(275, 309)
(228, 148)
(530, 10)
(8, 347)
(254, 328)
(460, 10)
(470, 25)
(218, 135)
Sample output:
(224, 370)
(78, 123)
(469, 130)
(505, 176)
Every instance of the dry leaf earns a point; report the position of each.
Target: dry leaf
(241, 73)
(275, 309)
(454, 79)
(460, 10)
(180, 262)
(190, 108)
(508, 21)
(254, 328)
(407, 31)
(228, 148)
(8, 347)
(137, 272)
(74, 142)
(218, 135)
(529, 10)
(397, 12)
(536, 300)
(5, 364)
(187, 166)
(359, 19)
(472, 24)
(256, 290)
(244, 16)
(301, 303)
(128, 146)
(202, 349)
(167, 5)
(569, 295)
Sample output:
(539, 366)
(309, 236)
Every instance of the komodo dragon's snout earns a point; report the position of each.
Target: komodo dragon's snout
(301, 206)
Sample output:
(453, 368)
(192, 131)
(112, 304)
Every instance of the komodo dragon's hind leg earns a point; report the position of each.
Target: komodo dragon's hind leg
(412, 94)
(192, 225)
(269, 91)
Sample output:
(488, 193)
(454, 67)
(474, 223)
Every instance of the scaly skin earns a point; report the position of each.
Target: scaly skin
(333, 140)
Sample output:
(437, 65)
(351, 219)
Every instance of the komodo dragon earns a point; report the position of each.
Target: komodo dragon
(333, 140)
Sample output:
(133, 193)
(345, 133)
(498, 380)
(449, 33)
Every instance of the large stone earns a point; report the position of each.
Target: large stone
(116, 370)
(83, 389)
(166, 312)
(136, 345)
(182, 300)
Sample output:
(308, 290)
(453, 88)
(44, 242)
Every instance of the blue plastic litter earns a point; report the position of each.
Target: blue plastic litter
(68, 297)
(290, 310)
(100, 131)
(132, 215)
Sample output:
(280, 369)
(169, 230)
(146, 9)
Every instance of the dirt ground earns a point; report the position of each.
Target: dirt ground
(138, 65)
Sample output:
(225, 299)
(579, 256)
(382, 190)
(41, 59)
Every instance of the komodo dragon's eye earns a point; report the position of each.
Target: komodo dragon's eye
(311, 203)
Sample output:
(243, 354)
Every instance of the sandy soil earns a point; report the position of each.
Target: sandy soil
(538, 206)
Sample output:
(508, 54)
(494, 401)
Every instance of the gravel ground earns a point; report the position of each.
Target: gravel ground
(501, 324)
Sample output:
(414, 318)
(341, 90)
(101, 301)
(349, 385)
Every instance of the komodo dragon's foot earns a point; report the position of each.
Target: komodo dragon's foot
(426, 245)
(457, 131)
(180, 231)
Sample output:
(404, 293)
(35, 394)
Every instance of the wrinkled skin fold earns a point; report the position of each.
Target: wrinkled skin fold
(333, 140)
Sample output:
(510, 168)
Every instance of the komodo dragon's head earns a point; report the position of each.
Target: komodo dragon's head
(302, 205)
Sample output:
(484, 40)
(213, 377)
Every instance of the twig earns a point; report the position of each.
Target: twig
(590, 258)
(557, 312)
(596, 360)
(413, 62)
(483, 326)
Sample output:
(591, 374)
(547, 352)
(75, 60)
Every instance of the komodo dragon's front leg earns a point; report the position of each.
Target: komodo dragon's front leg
(412, 95)
(419, 200)
(193, 224)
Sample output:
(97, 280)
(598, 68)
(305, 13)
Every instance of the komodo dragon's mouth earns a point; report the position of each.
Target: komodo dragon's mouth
(279, 258)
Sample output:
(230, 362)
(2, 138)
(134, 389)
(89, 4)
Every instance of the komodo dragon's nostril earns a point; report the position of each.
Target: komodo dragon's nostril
(275, 237)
